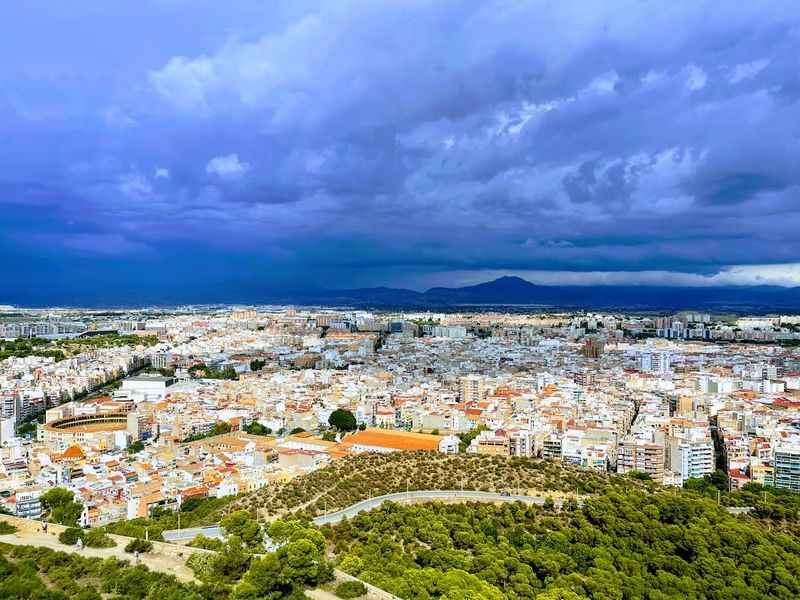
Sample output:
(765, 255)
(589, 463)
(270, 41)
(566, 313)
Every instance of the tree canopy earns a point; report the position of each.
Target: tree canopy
(62, 507)
(342, 420)
(624, 546)
(241, 524)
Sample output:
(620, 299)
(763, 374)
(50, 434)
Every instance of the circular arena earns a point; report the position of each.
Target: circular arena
(92, 430)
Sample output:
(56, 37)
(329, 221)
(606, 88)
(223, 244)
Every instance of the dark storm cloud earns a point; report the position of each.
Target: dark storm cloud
(736, 187)
(337, 143)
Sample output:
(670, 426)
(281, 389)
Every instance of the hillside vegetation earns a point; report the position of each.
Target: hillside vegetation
(355, 478)
(620, 546)
(240, 571)
(631, 540)
(33, 573)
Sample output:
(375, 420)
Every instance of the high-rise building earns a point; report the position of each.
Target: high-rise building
(655, 362)
(160, 360)
(10, 406)
(684, 404)
(663, 322)
(473, 388)
(762, 371)
(592, 347)
(691, 457)
(786, 467)
(520, 443)
(551, 447)
(637, 455)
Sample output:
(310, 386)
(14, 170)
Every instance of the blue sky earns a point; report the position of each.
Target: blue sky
(197, 150)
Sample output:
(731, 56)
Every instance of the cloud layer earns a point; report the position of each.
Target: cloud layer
(339, 143)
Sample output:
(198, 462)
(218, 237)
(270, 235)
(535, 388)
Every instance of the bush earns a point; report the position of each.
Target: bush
(206, 543)
(138, 545)
(97, 538)
(70, 536)
(7, 528)
(350, 589)
(201, 565)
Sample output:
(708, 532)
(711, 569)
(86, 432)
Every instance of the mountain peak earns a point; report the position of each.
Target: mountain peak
(506, 282)
(510, 279)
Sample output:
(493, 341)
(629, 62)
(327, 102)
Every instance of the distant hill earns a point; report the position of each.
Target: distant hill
(515, 290)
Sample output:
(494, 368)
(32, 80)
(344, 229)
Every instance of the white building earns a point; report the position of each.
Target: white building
(691, 457)
(146, 388)
(656, 362)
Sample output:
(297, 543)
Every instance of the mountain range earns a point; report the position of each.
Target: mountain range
(518, 291)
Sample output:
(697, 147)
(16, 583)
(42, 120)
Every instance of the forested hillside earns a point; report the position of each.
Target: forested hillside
(620, 546)
(629, 540)
(42, 574)
(354, 478)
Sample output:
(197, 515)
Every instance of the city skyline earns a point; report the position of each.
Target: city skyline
(162, 150)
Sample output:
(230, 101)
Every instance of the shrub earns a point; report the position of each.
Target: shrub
(350, 589)
(7, 528)
(70, 536)
(201, 565)
(138, 545)
(97, 538)
(207, 543)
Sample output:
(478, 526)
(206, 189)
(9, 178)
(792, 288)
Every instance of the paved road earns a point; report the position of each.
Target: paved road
(423, 495)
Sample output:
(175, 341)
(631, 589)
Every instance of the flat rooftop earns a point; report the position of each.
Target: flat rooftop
(154, 378)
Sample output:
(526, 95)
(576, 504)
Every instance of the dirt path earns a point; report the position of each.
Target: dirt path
(172, 565)
(320, 594)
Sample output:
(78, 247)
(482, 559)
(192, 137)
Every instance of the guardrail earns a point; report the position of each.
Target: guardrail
(410, 496)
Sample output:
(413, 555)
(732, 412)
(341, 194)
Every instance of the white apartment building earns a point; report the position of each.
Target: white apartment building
(692, 457)
(786, 464)
(655, 362)
(473, 388)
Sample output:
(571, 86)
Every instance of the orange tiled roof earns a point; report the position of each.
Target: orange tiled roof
(397, 440)
(73, 452)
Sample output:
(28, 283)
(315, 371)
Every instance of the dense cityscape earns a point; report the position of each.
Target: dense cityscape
(148, 411)
(399, 300)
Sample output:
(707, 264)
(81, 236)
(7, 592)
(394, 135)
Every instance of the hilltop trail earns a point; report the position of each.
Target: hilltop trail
(169, 564)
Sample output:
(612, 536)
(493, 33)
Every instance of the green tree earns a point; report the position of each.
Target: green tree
(256, 428)
(63, 509)
(138, 545)
(70, 536)
(350, 589)
(242, 525)
(207, 543)
(232, 562)
(465, 439)
(97, 538)
(303, 563)
(136, 446)
(342, 420)
(264, 579)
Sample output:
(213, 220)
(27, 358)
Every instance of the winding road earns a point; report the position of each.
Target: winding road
(425, 495)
